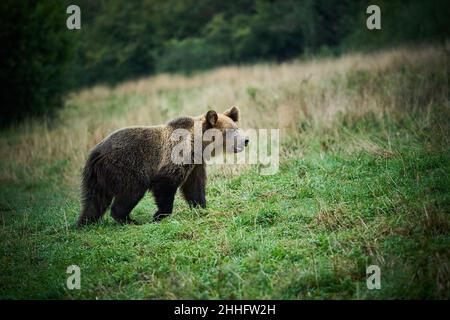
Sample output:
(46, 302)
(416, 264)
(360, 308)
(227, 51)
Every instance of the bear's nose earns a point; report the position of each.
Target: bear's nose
(246, 141)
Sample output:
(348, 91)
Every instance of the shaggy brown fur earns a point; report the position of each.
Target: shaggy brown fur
(133, 160)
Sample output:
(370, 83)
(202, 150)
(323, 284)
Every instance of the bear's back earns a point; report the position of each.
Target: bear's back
(133, 149)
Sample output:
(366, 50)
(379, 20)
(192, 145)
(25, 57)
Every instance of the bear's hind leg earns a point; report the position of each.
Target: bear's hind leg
(93, 208)
(164, 192)
(122, 206)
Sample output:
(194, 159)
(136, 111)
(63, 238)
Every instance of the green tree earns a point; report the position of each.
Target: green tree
(34, 56)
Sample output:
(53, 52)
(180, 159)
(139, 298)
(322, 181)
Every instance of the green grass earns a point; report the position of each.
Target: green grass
(369, 188)
(307, 232)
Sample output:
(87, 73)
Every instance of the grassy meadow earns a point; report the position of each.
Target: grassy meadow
(364, 179)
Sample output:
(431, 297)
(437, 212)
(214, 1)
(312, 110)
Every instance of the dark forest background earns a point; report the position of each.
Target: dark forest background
(40, 59)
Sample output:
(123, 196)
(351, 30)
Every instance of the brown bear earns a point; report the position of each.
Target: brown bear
(133, 160)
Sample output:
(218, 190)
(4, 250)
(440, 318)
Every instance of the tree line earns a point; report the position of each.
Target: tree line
(41, 59)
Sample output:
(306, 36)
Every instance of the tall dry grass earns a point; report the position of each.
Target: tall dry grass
(300, 98)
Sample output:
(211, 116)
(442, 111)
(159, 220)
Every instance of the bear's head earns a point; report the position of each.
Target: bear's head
(226, 125)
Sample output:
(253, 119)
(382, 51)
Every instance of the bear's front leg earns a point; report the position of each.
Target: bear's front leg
(194, 187)
(164, 192)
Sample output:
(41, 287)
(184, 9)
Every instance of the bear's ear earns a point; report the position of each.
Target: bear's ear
(211, 118)
(233, 113)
